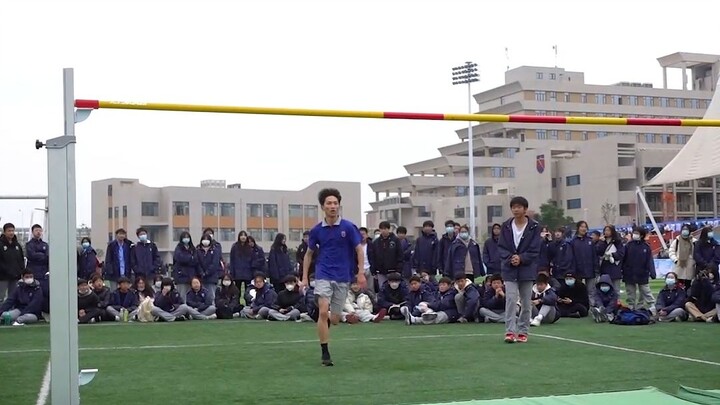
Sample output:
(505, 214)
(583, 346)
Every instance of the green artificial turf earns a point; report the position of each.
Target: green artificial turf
(258, 362)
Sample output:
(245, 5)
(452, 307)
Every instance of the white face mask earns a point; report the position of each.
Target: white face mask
(205, 242)
(636, 236)
(29, 280)
(158, 284)
(289, 287)
(312, 284)
(226, 283)
(394, 285)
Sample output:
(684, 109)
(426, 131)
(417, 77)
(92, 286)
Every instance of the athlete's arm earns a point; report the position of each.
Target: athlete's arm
(359, 252)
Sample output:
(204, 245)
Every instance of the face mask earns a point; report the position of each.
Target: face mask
(186, 240)
(29, 280)
(394, 285)
(205, 243)
(449, 230)
(226, 283)
(636, 237)
(711, 235)
(604, 288)
(464, 235)
(670, 282)
(289, 287)
(85, 245)
(569, 282)
(312, 284)
(143, 238)
(376, 236)
(685, 233)
(158, 284)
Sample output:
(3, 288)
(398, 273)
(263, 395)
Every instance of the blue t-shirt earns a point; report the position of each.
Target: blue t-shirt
(336, 250)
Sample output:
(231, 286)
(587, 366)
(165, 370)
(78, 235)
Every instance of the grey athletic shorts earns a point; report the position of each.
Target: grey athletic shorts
(335, 292)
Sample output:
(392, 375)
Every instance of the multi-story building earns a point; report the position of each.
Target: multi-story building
(168, 211)
(582, 167)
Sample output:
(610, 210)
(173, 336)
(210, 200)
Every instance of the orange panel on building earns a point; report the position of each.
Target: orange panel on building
(270, 223)
(310, 222)
(181, 221)
(227, 222)
(209, 221)
(296, 223)
(254, 222)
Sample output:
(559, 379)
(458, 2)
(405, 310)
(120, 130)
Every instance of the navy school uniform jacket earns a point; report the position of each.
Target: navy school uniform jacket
(491, 256)
(278, 265)
(608, 300)
(670, 299)
(185, 264)
(45, 289)
(445, 302)
(701, 293)
(441, 251)
(112, 260)
(38, 255)
(546, 253)
(88, 302)
(145, 260)
(431, 285)
(577, 293)
(199, 299)
(455, 262)
(387, 255)
(86, 263)
(585, 256)
(12, 260)
(310, 304)
(491, 301)
(388, 297)
(471, 295)
(103, 297)
(638, 264)
(423, 258)
(528, 250)
(169, 302)
(209, 264)
(264, 297)
(259, 263)
(414, 298)
(547, 297)
(129, 301)
(26, 298)
(407, 249)
(288, 299)
(241, 262)
(563, 260)
(706, 254)
(227, 297)
(614, 270)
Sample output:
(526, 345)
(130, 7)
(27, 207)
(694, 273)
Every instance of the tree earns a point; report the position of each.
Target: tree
(609, 212)
(553, 216)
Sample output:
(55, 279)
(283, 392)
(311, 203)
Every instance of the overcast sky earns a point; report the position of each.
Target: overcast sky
(364, 55)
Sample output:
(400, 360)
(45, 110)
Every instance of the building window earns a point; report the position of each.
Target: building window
(269, 234)
(664, 102)
(177, 232)
(117, 212)
(494, 211)
(254, 210)
(124, 211)
(209, 209)
(633, 100)
(665, 138)
(110, 211)
(583, 98)
(573, 204)
(648, 101)
(181, 208)
(541, 134)
(539, 96)
(295, 211)
(553, 134)
(255, 233)
(227, 234)
(480, 190)
(572, 180)
(511, 172)
(149, 209)
(540, 113)
(422, 212)
(109, 190)
(682, 139)
(461, 191)
(679, 103)
(270, 210)
(311, 211)
(695, 103)
(617, 100)
(552, 76)
(584, 136)
(553, 96)
(568, 135)
(553, 182)
(566, 97)
(511, 152)
(227, 210)
(496, 171)
(599, 99)
(649, 138)
(295, 234)
(539, 75)
(705, 202)
(459, 213)
(601, 134)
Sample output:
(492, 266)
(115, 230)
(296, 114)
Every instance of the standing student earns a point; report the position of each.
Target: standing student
(338, 242)
(12, 261)
(38, 254)
(586, 259)
(241, 258)
(301, 249)
(638, 267)
(145, 259)
(87, 260)
(279, 265)
(519, 248)
(562, 260)
(490, 255)
(442, 247)
(424, 255)
(682, 250)
(706, 252)
(185, 264)
(259, 262)
(464, 256)
(407, 248)
(612, 252)
(210, 264)
(117, 259)
(388, 254)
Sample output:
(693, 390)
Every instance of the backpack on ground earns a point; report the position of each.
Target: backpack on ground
(635, 317)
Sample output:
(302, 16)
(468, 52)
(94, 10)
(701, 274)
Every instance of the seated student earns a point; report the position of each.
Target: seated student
(607, 300)
(310, 307)
(392, 295)
(442, 310)
(544, 302)
(700, 303)
(670, 304)
(287, 305)
(168, 305)
(97, 284)
(146, 297)
(227, 299)
(359, 306)
(142, 290)
(429, 282)
(88, 311)
(572, 297)
(467, 299)
(24, 305)
(417, 295)
(157, 283)
(260, 298)
(121, 301)
(492, 304)
(199, 301)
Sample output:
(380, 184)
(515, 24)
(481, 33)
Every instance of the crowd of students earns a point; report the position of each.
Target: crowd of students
(436, 279)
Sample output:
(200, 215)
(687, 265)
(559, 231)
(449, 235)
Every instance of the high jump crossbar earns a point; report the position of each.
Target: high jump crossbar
(532, 119)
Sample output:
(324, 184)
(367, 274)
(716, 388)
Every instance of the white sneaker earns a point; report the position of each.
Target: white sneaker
(213, 316)
(406, 313)
(16, 323)
(236, 315)
(117, 318)
(536, 321)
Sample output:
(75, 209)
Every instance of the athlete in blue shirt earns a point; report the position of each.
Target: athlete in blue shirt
(340, 254)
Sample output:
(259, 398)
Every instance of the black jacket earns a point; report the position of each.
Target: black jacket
(12, 259)
(387, 255)
(287, 299)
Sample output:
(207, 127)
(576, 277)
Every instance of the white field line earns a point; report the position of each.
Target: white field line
(276, 342)
(627, 349)
(44, 388)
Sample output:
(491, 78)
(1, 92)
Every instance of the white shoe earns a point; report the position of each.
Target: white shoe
(306, 318)
(16, 323)
(406, 313)
(536, 321)
(213, 316)
(117, 318)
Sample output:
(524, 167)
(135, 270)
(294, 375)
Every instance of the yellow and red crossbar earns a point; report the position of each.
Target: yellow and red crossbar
(532, 119)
